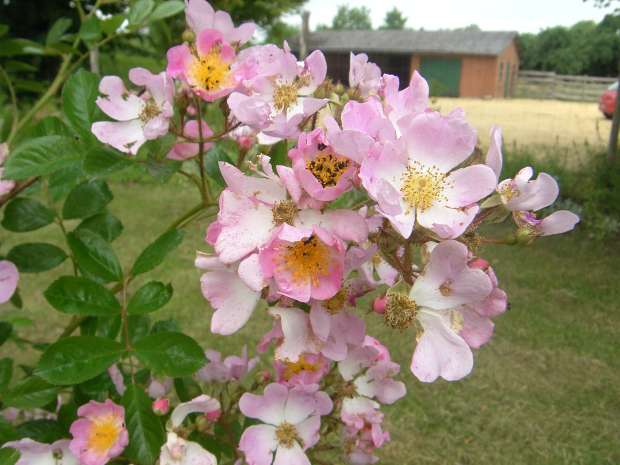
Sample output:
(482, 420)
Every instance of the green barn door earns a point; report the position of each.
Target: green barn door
(442, 74)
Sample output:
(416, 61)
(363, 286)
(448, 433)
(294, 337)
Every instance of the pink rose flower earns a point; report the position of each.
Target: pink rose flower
(277, 98)
(523, 194)
(308, 369)
(207, 68)
(9, 278)
(291, 422)
(36, 453)
(304, 263)
(200, 15)
(558, 222)
(231, 368)
(412, 180)
(185, 150)
(363, 75)
(99, 434)
(139, 118)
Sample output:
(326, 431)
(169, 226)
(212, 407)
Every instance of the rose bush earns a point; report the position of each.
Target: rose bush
(329, 205)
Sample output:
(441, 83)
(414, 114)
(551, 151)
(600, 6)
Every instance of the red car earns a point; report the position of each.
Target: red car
(607, 102)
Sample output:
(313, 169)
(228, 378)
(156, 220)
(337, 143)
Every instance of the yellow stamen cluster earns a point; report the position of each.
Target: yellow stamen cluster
(103, 434)
(285, 96)
(284, 212)
(422, 186)
(336, 303)
(327, 168)
(508, 191)
(209, 71)
(456, 321)
(400, 311)
(149, 111)
(294, 368)
(308, 259)
(286, 434)
(349, 390)
(445, 289)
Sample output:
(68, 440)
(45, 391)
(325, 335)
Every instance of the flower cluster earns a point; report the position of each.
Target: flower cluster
(377, 203)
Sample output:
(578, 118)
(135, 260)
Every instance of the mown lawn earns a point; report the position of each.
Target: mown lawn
(546, 390)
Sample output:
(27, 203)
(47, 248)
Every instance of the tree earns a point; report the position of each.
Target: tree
(280, 31)
(394, 19)
(352, 18)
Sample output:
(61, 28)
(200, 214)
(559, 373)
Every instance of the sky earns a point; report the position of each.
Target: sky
(492, 15)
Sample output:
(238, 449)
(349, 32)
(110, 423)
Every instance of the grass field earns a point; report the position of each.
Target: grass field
(534, 122)
(546, 390)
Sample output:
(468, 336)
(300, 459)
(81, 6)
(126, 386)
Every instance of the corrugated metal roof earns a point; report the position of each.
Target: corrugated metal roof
(458, 42)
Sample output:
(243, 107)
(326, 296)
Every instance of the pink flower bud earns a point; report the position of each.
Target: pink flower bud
(214, 415)
(161, 406)
(478, 263)
(378, 305)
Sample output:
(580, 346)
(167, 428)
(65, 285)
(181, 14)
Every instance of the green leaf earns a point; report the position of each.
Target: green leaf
(146, 433)
(6, 372)
(87, 199)
(90, 30)
(101, 161)
(150, 297)
(62, 181)
(36, 257)
(94, 255)
(165, 326)
(6, 329)
(48, 126)
(12, 47)
(137, 327)
(23, 214)
(78, 97)
(30, 392)
(76, 359)
(140, 11)
(170, 354)
(81, 296)
(154, 254)
(110, 26)
(9, 456)
(41, 156)
(57, 30)
(279, 154)
(45, 431)
(167, 9)
(105, 224)
(215, 118)
(219, 152)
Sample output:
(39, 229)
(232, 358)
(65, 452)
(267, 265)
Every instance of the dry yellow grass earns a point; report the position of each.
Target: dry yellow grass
(533, 122)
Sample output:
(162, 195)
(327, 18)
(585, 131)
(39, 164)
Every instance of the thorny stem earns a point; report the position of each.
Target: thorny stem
(201, 155)
(125, 324)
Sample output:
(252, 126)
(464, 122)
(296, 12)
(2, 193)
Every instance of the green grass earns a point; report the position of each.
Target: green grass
(545, 390)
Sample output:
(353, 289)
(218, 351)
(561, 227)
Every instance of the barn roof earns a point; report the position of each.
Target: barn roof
(457, 42)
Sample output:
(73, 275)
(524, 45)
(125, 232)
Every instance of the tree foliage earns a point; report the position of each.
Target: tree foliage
(348, 18)
(394, 19)
(585, 48)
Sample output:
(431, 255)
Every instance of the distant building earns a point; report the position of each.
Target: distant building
(458, 63)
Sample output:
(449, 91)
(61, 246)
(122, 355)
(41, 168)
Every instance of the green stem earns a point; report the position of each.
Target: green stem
(201, 151)
(9, 85)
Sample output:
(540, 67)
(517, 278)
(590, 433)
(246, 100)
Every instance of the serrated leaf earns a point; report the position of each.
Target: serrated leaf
(279, 154)
(94, 255)
(105, 224)
(101, 161)
(6, 372)
(87, 199)
(170, 354)
(77, 359)
(41, 156)
(78, 97)
(146, 433)
(9, 456)
(23, 214)
(41, 430)
(6, 329)
(155, 253)
(90, 30)
(167, 9)
(81, 296)
(36, 257)
(30, 392)
(13, 47)
(212, 159)
(140, 11)
(150, 297)
(58, 29)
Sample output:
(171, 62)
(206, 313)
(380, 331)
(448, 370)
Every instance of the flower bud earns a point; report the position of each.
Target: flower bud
(188, 35)
(378, 306)
(161, 406)
(525, 235)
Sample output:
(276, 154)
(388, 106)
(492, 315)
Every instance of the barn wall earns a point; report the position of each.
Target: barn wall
(510, 58)
(478, 76)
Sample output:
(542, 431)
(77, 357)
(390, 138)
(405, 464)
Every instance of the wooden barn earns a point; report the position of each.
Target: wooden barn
(457, 63)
